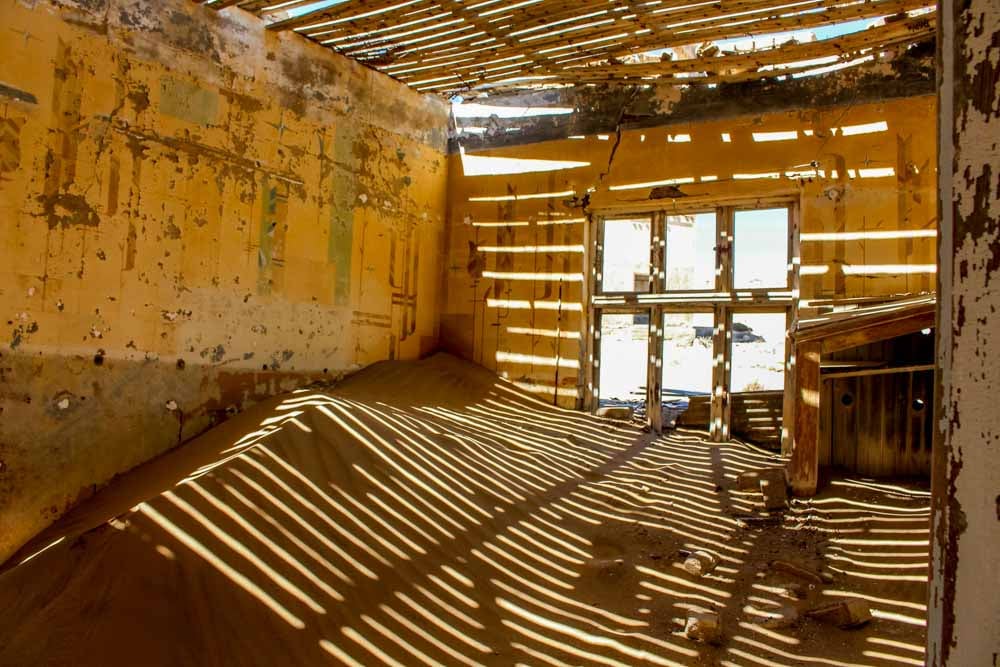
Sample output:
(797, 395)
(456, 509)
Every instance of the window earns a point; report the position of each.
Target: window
(690, 252)
(625, 253)
(761, 248)
(758, 356)
(684, 276)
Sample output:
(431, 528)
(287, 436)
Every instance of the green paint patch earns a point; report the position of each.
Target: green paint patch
(344, 193)
(187, 101)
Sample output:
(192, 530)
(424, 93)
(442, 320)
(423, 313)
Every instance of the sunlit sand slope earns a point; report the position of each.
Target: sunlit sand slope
(429, 513)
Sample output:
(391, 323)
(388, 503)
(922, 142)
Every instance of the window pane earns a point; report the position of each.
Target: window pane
(758, 360)
(624, 350)
(690, 257)
(626, 255)
(761, 247)
(687, 368)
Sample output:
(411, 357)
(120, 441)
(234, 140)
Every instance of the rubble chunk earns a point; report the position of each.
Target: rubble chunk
(620, 412)
(845, 614)
(785, 617)
(705, 627)
(796, 571)
(700, 563)
(750, 480)
(775, 494)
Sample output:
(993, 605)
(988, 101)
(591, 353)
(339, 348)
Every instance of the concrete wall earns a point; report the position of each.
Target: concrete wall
(194, 214)
(964, 609)
(876, 181)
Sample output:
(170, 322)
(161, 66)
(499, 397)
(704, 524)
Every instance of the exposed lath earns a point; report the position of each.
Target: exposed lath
(450, 46)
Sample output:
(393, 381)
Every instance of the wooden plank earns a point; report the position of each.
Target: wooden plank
(654, 374)
(880, 371)
(804, 466)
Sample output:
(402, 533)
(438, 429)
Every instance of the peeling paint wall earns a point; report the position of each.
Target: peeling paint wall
(858, 190)
(194, 214)
(964, 609)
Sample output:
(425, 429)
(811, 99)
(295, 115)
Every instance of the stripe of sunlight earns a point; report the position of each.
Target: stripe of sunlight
(562, 424)
(700, 538)
(718, 594)
(416, 497)
(497, 449)
(307, 504)
(460, 578)
(399, 641)
(388, 544)
(558, 529)
(796, 659)
(243, 449)
(489, 455)
(567, 601)
(529, 249)
(559, 611)
(241, 549)
(380, 521)
(271, 546)
(540, 542)
(360, 640)
(429, 638)
(385, 445)
(553, 436)
(769, 634)
(440, 454)
(288, 535)
(424, 453)
(893, 643)
(595, 640)
(450, 609)
(329, 544)
(469, 420)
(691, 516)
(532, 570)
(435, 620)
(893, 658)
(557, 455)
(530, 555)
(223, 567)
(339, 653)
(392, 512)
(877, 612)
(550, 644)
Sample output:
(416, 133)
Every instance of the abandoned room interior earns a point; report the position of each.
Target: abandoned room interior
(500, 332)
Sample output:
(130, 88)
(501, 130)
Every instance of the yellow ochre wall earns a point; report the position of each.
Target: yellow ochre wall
(194, 214)
(855, 191)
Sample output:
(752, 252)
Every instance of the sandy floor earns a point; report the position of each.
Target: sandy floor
(426, 513)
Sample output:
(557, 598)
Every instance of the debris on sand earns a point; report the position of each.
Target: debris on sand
(845, 614)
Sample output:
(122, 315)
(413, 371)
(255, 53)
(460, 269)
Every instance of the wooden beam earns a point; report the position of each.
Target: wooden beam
(878, 332)
(803, 469)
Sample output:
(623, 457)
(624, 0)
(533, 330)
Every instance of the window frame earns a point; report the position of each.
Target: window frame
(721, 301)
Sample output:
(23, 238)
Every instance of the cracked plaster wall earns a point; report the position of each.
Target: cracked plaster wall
(840, 203)
(194, 214)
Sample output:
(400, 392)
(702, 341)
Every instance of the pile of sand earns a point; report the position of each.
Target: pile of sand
(429, 513)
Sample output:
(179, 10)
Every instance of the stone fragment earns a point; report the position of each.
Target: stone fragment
(750, 480)
(705, 627)
(775, 494)
(796, 571)
(794, 591)
(700, 563)
(620, 412)
(845, 614)
(785, 617)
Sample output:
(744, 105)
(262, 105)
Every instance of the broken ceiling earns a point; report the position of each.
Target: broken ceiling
(455, 46)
